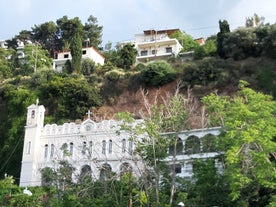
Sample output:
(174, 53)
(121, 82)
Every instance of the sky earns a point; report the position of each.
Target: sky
(122, 19)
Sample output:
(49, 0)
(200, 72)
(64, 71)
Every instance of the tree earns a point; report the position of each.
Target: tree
(186, 40)
(170, 115)
(45, 34)
(5, 69)
(87, 66)
(35, 58)
(67, 29)
(249, 142)
(157, 74)
(222, 34)
(206, 50)
(127, 56)
(76, 52)
(93, 32)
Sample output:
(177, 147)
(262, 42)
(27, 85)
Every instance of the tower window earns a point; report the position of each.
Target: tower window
(46, 151)
(104, 147)
(52, 150)
(71, 148)
(110, 147)
(29, 148)
(33, 113)
(124, 145)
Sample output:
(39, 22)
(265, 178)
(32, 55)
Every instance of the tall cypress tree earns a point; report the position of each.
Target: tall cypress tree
(224, 30)
(76, 52)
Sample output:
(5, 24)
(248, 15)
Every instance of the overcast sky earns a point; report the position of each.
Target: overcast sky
(122, 19)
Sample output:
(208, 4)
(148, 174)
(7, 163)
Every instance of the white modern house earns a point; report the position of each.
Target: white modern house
(101, 147)
(88, 52)
(156, 44)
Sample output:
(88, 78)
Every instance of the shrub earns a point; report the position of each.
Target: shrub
(158, 73)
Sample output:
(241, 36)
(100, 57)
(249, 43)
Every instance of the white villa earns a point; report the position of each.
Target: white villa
(156, 44)
(88, 52)
(98, 147)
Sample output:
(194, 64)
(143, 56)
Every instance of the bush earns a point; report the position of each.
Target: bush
(203, 73)
(157, 74)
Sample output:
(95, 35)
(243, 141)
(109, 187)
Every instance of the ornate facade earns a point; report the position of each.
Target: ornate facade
(98, 147)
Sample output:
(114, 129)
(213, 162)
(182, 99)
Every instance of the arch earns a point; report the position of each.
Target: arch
(130, 146)
(47, 176)
(123, 145)
(84, 147)
(52, 150)
(85, 174)
(105, 172)
(209, 143)
(125, 168)
(46, 151)
(110, 147)
(192, 145)
(71, 149)
(104, 147)
(178, 149)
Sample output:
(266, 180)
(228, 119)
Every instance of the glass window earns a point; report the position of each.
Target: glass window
(124, 145)
(168, 49)
(110, 147)
(144, 52)
(46, 151)
(52, 150)
(66, 56)
(29, 148)
(104, 147)
(83, 148)
(33, 113)
(130, 146)
(90, 148)
(153, 52)
(71, 148)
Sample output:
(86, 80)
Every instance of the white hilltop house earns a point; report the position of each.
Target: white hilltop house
(87, 52)
(98, 147)
(156, 44)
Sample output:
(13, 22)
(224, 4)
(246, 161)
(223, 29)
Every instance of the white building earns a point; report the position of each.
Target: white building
(98, 147)
(156, 44)
(88, 52)
(91, 145)
(3, 44)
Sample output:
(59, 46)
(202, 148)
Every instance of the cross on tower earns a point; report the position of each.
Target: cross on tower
(88, 114)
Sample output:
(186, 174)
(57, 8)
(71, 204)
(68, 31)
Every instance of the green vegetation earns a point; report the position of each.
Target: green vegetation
(246, 114)
(157, 74)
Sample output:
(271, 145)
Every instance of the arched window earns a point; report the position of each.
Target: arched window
(110, 147)
(192, 145)
(209, 143)
(176, 147)
(46, 151)
(71, 149)
(83, 151)
(33, 114)
(47, 176)
(52, 150)
(125, 168)
(123, 145)
(104, 147)
(105, 172)
(130, 146)
(90, 148)
(29, 148)
(86, 174)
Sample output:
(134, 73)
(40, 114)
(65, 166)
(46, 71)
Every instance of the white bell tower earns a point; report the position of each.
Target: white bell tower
(30, 157)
